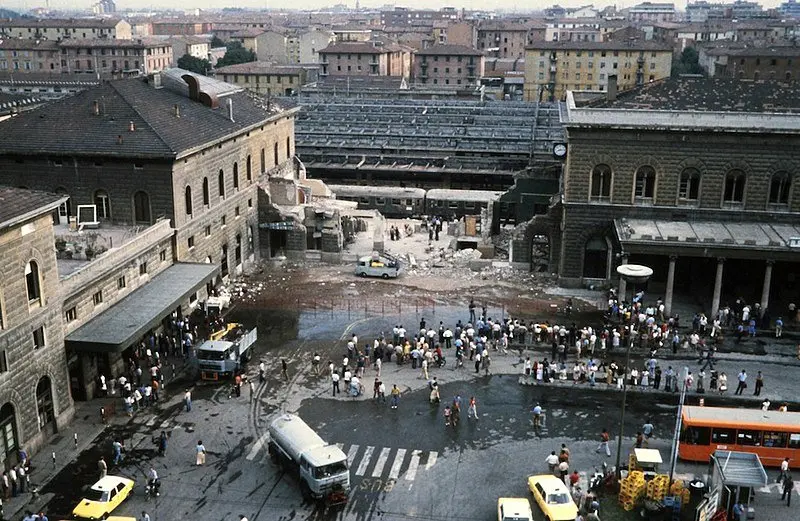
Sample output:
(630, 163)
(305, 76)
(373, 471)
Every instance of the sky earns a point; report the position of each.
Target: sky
(313, 4)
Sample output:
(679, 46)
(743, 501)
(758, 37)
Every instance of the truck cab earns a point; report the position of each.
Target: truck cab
(225, 352)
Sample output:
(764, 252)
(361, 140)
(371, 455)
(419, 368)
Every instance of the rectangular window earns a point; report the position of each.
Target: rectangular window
(223, 221)
(71, 314)
(236, 212)
(794, 441)
(163, 255)
(190, 242)
(3, 361)
(723, 436)
(749, 438)
(249, 203)
(208, 231)
(775, 439)
(121, 282)
(380, 200)
(97, 298)
(143, 269)
(38, 338)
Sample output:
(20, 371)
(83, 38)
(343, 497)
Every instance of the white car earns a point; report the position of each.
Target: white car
(514, 509)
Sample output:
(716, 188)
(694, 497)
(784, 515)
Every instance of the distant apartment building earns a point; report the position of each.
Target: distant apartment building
(553, 68)
(766, 31)
(180, 27)
(739, 10)
(352, 33)
(61, 29)
(29, 55)
(270, 45)
(453, 65)
(405, 16)
(310, 42)
(459, 33)
(507, 40)
(752, 63)
(115, 58)
(652, 12)
(790, 8)
(264, 78)
(371, 58)
(577, 29)
(195, 46)
(104, 7)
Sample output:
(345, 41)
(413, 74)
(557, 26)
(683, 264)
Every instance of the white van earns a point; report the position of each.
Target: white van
(378, 265)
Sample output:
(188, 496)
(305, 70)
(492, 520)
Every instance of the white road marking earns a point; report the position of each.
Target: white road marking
(151, 421)
(411, 473)
(257, 446)
(351, 455)
(394, 473)
(378, 470)
(431, 459)
(362, 467)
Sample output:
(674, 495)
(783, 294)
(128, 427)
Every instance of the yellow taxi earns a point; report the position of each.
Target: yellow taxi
(553, 498)
(103, 497)
(514, 509)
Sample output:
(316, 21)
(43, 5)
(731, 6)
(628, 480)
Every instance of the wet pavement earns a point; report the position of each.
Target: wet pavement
(404, 463)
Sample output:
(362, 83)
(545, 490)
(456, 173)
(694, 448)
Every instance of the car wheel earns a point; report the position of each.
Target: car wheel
(362, 274)
(385, 276)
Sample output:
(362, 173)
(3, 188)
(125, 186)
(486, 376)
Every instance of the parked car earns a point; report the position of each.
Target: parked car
(103, 497)
(514, 509)
(553, 498)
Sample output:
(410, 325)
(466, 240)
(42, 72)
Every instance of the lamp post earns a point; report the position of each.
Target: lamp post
(634, 274)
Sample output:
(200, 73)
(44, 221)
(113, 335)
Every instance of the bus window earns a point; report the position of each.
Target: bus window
(380, 200)
(409, 202)
(696, 436)
(723, 435)
(751, 438)
(794, 441)
(364, 200)
(775, 439)
(453, 204)
(396, 201)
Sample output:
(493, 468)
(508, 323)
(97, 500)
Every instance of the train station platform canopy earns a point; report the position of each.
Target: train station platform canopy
(739, 469)
(742, 239)
(124, 323)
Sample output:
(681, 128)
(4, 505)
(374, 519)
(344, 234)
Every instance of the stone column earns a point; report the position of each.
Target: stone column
(623, 284)
(767, 283)
(670, 283)
(717, 288)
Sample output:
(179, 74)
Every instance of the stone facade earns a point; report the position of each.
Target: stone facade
(33, 379)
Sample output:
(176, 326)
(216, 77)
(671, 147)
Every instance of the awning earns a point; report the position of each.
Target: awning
(129, 319)
(742, 469)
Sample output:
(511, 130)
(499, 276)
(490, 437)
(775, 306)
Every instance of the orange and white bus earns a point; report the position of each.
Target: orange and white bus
(772, 435)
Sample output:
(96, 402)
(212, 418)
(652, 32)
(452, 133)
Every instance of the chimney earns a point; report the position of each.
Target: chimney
(119, 139)
(611, 94)
(131, 127)
(96, 107)
(157, 80)
(177, 110)
(230, 109)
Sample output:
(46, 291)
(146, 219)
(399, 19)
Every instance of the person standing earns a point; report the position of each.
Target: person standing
(187, 400)
(200, 453)
(102, 467)
(144, 516)
(759, 384)
(12, 477)
(472, 411)
(738, 512)
(788, 488)
(284, 369)
(395, 396)
(162, 443)
(604, 443)
(742, 382)
(784, 470)
(335, 380)
(262, 369)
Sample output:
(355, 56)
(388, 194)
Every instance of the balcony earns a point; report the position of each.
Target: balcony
(552, 68)
(553, 57)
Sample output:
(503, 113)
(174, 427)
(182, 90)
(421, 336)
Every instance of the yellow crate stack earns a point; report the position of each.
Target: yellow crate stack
(631, 489)
(656, 489)
(680, 491)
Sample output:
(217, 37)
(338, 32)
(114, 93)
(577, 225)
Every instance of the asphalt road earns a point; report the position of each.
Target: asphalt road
(405, 464)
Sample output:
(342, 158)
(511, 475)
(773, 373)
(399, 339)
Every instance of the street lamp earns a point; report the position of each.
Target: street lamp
(635, 274)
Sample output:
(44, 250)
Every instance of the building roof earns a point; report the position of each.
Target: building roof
(190, 39)
(24, 44)
(126, 321)
(786, 51)
(502, 26)
(19, 204)
(613, 45)
(136, 43)
(742, 469)
(711, 94)
(104, 23)
(259, 67)
(368, 47)
(250, 32)
(70, 125)
(449, 50)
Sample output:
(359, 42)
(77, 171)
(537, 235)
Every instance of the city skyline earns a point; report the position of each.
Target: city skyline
(505, 5)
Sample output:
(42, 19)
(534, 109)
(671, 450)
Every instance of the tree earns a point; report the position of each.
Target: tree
(689, 63)
(193, 64)
(236, 54)
(216, 42)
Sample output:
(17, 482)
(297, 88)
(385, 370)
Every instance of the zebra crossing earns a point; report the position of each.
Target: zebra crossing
(389, 463)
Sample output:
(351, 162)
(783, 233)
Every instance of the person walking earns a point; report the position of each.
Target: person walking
(117, 446)
(742, 382)
(759, 384)
(552, 462)
(788, 488)
(284, 369)
(144, 516)
(187, 400)
(784, 470)
(200, 451)
(102, 467)
(162, 443)
(395, 396)
(604, 443)
(335, 380)
(472, 410)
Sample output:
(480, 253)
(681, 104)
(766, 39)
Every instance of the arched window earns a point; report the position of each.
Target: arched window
(235, 176)
(103, 204)
(188, 200)
(595, 258)
(206, 198)
(249, 169)
(756, 76)
(221, 184)
(33, 283)
(689, 185)
(141, 208)
(44, 403)
(601, 182)
(779, 187)
(734, 187)
(8, 433)
(645, 186)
